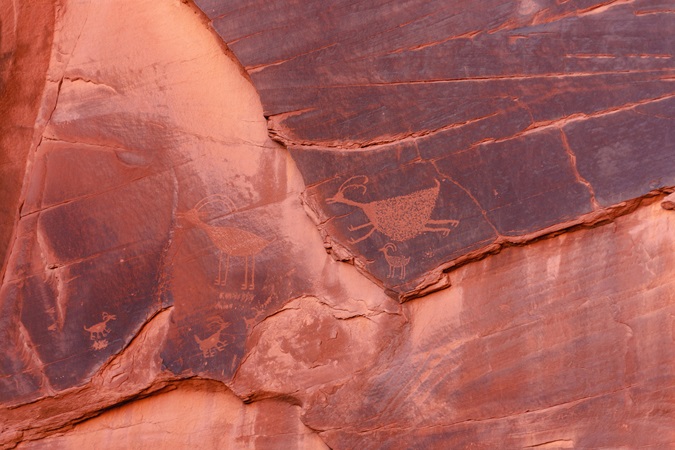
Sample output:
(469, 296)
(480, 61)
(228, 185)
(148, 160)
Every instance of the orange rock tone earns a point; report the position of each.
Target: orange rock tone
(277, 225)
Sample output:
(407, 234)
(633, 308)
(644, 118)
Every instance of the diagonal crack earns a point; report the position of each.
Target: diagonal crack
(573, 163)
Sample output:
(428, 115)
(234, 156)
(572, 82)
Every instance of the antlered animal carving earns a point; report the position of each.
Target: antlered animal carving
(400, 218)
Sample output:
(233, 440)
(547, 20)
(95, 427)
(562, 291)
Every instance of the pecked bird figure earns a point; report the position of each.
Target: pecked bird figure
(231, 241)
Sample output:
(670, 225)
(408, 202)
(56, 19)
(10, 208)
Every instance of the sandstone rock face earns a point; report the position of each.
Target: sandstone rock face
(461, 235)
(26, 34)
(195, 414)
(432, 130)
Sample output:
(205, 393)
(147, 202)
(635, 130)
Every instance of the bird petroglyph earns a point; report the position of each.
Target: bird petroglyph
(231, 241)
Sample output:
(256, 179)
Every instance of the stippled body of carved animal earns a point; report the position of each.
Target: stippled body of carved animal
(100, 330)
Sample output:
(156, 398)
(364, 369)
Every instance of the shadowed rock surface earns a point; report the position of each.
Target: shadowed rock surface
(461, 238)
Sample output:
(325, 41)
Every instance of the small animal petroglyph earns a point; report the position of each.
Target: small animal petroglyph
(214, 343)
(231, 241)
(400, 218)
(100, 330)
(395, 261)
(100, 345)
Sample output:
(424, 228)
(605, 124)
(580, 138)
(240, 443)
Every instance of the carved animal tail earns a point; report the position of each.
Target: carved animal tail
(199, 341)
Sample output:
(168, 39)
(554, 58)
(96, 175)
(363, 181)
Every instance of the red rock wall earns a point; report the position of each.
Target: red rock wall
(458, 243)
(524, 114)
(26, 33)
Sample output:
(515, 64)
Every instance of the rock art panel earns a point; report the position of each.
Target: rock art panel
(93, 256)
(399, 222)
(540, 112)
(136, 207)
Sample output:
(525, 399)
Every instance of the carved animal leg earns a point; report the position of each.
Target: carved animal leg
(391, 271)
(402, 273)
(454, 223)
(245, 285)
(227, 270)
(354, 241)
(367, 224)
(445, 231)
(252, 286)
(220, 261)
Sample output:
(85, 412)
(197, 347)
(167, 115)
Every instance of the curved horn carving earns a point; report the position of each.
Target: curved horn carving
(345, 185)
(225, 199)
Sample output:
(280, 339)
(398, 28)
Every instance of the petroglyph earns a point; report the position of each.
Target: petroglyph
(100, 330)
(214, 342)
(400, 218)
(231, 241)
(395, 261)
(100, 345)
(234, 297)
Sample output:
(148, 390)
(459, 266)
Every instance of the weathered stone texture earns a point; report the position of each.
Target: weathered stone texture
(26, 33)
(193, 414)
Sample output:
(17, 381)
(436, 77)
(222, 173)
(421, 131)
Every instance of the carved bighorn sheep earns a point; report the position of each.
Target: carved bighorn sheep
(394, 261)
(400, 218)
(100, 330)
(213, 343)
